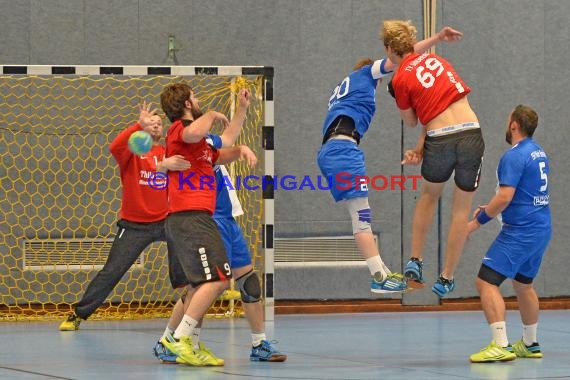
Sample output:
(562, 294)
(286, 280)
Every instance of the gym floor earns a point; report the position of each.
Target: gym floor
(421, 345)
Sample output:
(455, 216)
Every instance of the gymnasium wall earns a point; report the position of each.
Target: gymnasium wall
(513, 51)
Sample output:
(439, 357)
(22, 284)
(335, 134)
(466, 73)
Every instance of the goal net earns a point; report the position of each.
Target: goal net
(61, 186)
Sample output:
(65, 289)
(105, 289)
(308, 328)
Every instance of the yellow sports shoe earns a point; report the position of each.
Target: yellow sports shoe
(207, 356)
(493, 353)
(71, 323)
(183, 349)
(530, 352)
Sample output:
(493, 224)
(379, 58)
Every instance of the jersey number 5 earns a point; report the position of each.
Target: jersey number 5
(543, 175)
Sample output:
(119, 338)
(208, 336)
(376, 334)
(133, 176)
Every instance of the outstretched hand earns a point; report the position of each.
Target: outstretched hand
(247, 155)
(448, 34)
(146, 114)
(244, 98)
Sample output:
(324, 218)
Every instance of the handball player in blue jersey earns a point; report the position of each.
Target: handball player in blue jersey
(522, 199)
(351, 107)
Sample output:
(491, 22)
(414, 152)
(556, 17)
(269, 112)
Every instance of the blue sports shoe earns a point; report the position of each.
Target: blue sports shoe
(394, 283)
(414, 271)
(164, 354)
(265, 352)
(443, 286)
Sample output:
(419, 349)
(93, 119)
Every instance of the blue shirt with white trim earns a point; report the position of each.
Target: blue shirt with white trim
(525, 167)
(355, 96)
(227, 206)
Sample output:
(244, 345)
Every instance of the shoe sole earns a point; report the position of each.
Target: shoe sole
(494, 360)
(68, 328)
(535, 356)
(382, 291)
(167, 362)
(273, 359)
(416, 284)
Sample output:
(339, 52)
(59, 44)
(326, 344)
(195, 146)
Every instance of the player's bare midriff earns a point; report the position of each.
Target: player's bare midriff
(457, 113)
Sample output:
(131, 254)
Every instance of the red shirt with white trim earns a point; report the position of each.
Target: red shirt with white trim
(428, 84)
(194, 188)
(140, 202)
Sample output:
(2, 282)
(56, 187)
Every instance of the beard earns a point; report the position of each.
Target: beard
(196, 112)
(509, 137)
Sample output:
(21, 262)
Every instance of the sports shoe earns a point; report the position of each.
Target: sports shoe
(183, 350)
(71, 323)
(265, 352)
(523, 351)
(208, 357)
(443, 286)
(414, 272)
(393, 283)
(164, 354)
(493, 353)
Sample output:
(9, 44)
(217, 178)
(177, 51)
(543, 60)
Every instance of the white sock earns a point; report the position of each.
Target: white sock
(529, 334)
(376, 265)
(167, 331)
(499, 331)
(256, 338)
(186, 327)
(196, 338)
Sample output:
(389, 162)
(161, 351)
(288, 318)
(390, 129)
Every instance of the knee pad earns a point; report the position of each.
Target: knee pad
(360, 214)
(490, 276)
(249, 287)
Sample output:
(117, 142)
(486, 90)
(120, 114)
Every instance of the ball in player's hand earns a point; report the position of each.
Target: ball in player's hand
(140, 142)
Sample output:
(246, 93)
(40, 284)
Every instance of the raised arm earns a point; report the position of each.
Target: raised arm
(241, 152)
(231, 134)
(119, 146)
(446, 34)
(202, 125)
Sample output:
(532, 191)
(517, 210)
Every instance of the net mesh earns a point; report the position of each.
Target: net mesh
(61, 191)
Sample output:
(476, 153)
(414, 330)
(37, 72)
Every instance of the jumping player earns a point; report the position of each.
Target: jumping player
(352, 105)
(427, 88)
(522, 199)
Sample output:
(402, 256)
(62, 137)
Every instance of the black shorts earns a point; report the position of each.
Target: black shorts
(461, 152)
(196, 252)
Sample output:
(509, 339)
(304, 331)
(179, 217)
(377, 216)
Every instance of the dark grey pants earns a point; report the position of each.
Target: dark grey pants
(131, 239)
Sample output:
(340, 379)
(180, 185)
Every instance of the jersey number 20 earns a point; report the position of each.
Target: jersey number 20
(339, 91)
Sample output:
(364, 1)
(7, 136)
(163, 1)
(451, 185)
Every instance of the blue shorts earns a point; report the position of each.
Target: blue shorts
(341, 161)
(235, 243)
(518, 251)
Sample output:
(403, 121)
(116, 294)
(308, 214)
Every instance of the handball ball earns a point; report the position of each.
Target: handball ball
(140, 142)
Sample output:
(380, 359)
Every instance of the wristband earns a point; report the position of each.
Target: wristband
(483, 218)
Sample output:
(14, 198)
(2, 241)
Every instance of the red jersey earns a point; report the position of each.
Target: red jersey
(140, 202)
(195, 188)
(428, 84)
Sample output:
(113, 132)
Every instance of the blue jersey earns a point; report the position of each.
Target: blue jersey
(525, 167)
(227, 204)
(355, 97)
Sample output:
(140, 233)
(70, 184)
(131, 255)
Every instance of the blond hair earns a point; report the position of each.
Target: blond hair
(399, 35)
